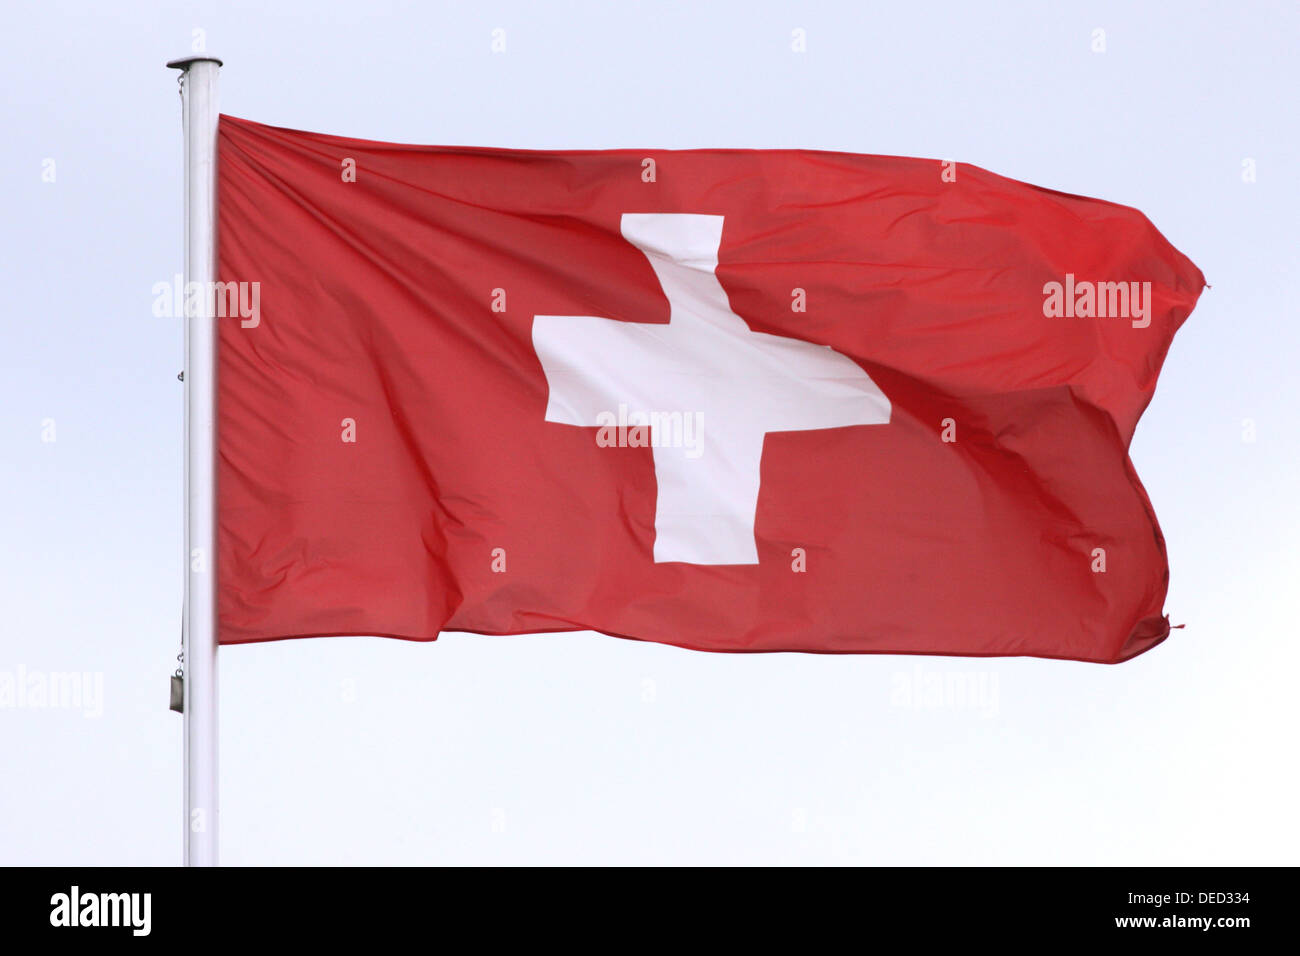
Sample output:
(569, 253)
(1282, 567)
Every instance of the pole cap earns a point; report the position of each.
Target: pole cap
(184, 62)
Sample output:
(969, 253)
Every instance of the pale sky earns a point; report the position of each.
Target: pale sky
(578, 748)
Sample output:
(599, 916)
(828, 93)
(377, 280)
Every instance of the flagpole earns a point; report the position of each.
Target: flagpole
(199, 110)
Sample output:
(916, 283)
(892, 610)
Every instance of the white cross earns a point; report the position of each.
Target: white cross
(706, 360)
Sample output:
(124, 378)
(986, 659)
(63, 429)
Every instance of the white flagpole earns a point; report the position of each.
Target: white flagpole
(199, 97)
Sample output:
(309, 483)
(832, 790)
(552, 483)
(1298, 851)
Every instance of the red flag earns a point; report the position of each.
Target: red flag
(735, 400)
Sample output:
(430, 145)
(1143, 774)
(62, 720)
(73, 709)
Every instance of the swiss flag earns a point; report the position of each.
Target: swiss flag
(735, 400)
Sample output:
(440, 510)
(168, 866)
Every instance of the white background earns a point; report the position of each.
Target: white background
(580, 748)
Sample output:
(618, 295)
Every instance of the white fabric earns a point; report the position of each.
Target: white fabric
(743, 384)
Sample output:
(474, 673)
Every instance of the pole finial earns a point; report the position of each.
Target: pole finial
(185, 62)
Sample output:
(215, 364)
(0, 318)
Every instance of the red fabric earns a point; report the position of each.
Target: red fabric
(375, 306)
